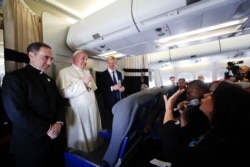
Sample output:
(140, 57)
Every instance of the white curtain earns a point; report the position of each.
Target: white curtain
(21, 27)
(136, 62)
(135, 73)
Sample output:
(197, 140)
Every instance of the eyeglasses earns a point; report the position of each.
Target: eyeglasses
(46, 57)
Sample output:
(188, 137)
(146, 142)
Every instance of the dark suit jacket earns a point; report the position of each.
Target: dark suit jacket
(106, 82)
(33, 103)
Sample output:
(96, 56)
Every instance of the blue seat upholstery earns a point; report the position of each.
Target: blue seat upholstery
(127, 131)
(78, 159)
(129, 120)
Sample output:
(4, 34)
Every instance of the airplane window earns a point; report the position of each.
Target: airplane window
(187, 76)
(151, 79)
(152, 84)
(207, 75)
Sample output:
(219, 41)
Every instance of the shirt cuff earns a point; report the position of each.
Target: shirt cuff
(49, 128)
(60, 122)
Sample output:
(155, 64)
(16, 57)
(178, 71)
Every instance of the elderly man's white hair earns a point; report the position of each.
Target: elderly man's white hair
(76, 52)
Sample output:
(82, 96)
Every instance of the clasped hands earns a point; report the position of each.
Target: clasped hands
(118, 87)
(54, 130)
(87, 81)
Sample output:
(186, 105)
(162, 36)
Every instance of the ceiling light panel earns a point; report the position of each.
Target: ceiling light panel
(79, 9)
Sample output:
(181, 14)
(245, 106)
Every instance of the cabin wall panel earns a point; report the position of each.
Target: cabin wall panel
(54, 33)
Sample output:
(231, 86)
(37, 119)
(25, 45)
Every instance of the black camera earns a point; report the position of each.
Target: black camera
(233, 70)
(232, 64)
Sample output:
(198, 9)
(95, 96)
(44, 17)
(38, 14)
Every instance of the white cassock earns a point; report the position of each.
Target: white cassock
(83, 120)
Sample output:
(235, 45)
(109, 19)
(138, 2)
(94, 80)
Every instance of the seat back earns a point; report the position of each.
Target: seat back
(156, 106)
(128, 124)
(155, 118)
(160, 106)
(129, 119)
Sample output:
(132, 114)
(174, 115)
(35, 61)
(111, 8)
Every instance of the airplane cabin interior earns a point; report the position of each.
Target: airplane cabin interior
(151, 40)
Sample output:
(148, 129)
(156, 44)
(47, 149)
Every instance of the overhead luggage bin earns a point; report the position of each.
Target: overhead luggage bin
(131, 27)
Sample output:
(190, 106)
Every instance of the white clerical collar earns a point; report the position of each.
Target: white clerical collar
(41, 71)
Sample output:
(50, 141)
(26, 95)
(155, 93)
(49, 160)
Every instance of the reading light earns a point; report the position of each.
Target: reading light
(113, 53)
(203, 33)
(202, 36)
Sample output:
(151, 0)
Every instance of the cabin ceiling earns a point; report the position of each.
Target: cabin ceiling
(71, 10)
(144, 42)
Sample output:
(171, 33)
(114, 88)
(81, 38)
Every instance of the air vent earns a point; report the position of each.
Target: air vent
(159, 32)
(96, 36)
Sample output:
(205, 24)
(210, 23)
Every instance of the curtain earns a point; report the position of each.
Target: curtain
(21, 27)
(135, 73)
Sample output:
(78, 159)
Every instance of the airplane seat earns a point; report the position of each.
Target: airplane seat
(128, 126)
(79, 158)
(157, 98)
(164, 91)
(156, 117)
(129, 119)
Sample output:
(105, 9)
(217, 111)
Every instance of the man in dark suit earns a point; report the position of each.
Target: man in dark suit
(36, 110)
(111, 86)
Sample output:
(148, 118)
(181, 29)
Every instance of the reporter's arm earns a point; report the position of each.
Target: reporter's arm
(169, 105)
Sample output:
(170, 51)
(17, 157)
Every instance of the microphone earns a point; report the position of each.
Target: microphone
(191, 103)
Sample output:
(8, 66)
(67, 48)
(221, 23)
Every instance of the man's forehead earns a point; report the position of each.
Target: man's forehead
(191, 89)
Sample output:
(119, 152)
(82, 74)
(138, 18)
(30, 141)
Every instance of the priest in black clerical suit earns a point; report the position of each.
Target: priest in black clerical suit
(36, 110)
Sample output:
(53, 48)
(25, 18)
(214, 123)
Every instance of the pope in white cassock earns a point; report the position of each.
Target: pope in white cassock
(83, 120)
